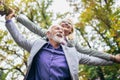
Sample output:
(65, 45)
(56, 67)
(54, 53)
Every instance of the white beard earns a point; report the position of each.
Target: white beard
(58, 39)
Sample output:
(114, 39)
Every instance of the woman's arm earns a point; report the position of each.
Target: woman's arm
(31, 26)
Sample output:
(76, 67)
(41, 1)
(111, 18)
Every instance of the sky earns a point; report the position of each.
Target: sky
(60, 6)
(63, 6)
(117, 3)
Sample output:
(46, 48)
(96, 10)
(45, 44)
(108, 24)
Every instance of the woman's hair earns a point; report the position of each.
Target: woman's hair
(69, 21)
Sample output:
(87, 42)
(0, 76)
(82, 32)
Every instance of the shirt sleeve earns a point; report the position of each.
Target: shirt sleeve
(31, 26)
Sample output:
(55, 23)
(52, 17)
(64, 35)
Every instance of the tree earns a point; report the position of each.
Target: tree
(103, 19)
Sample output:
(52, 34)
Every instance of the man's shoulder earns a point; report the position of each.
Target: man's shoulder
(69, 48)
(40, 40)
(38, 43)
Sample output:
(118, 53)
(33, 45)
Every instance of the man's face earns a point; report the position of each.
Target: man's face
(57, 33)
(67, 27)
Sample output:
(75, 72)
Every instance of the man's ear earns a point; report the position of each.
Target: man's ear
(48, 33)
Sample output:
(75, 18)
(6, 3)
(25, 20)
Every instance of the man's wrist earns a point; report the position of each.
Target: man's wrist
(113, 58)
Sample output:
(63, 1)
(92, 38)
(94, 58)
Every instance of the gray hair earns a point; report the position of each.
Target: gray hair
(53, 25)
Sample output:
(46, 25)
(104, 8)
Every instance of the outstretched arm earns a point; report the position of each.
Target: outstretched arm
(31, 26)
(19, 39)
(94, 53)
(91, 60)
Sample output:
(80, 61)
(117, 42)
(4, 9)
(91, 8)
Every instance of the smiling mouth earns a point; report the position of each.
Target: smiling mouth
(59, 35)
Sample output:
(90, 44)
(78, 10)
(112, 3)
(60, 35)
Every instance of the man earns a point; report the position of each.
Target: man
(50, 60)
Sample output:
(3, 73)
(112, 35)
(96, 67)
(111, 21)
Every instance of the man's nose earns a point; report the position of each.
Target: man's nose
(61, 31)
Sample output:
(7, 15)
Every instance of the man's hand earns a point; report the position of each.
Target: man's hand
(116, 58)
(10, 15)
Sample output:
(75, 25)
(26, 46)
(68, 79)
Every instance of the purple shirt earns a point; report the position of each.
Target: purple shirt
(49, 64)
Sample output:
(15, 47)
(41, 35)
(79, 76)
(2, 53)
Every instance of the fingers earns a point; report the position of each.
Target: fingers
(117, 58)
(11, 11)
(10, 14)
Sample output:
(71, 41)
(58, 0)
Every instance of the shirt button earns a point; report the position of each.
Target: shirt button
(50, 78)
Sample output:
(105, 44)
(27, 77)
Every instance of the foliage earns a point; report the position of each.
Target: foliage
(103, 19)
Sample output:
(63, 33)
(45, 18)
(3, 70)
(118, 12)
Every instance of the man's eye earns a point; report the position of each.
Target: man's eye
(57, 28)
(63, 26)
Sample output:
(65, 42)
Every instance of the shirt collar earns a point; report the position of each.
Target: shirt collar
(48, 45)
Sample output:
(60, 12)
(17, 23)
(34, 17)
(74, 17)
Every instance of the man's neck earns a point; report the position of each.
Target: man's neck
(54, 43)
